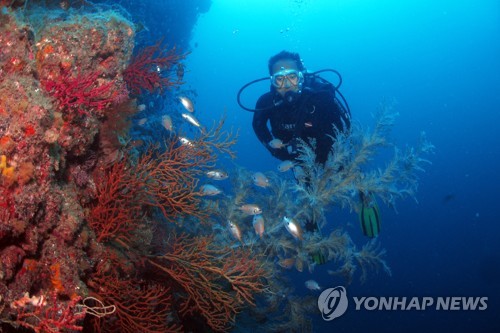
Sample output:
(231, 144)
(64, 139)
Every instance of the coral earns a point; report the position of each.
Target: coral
(202, 271)
(217, 140)
(171, 179)
(140, 306)
(344, 173)
(117, 210)
(45, 315)
(348, 171)
(370, 258)
(113, 136)
(82, 208)
(8, 176)
(44, 241)
(11, 256)
(79, 94)
(25, 172)
(149, 70)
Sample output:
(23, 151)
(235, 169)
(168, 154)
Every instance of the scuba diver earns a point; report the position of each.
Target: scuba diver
(303, 105)
(298, 105)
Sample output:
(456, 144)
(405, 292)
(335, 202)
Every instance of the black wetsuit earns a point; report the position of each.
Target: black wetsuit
(312, 115)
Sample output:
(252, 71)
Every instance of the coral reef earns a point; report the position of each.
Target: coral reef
(52, 105)
(82, 210)
(104, 229)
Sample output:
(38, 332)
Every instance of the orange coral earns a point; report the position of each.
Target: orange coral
(8, 176)
(140, 307)
(172, 178)
(203, 272)
(116, 211)
(56, 277)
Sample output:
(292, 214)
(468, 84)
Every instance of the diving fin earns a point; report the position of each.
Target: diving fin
(369, 215)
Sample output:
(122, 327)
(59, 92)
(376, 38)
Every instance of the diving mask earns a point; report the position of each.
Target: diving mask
(286, 78)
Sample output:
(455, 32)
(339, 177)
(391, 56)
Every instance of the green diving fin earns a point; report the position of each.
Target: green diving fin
(369, 216)
(318, 258)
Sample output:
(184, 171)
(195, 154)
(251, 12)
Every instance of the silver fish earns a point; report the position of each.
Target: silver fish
(259, 179)
(191, 119)
(185, 141)
(276, 144)
(235, 230)
(312, 285)
(208, 189)
(187, 104)
(166, 122)
(293, 227)
(250, 209)
(217, 174)
(258, 224)
(285, 166)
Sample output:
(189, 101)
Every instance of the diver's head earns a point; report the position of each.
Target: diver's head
(287, 77)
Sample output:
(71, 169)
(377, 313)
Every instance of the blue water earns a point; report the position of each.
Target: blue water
(440, 60)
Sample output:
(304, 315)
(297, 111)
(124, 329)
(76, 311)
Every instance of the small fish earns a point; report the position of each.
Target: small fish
(285, 166)
(276, 144)
(259, 179)
(185, 141)
(217, 174)
(235, 230)
(308, 124)
(293, 227)
(166, 122)
(141, 107)
(142, 121)
(250, 209)
(312, 285)
(192, 120)
(208, 189)
(258, 224)
(187, 104)
(287, 263)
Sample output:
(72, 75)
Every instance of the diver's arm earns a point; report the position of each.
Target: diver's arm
(260, 128)
(259, 124)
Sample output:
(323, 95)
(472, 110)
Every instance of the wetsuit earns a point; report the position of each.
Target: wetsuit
(312, 115)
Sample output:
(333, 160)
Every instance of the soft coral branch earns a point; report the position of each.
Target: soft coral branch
(50, 316)
(149, 69)
(172, 178)
(116, 211)
(203, 274)
(140, 306)
(80, 93)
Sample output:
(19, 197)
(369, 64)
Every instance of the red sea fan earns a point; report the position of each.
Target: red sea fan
(81, 93)
(150, 68)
